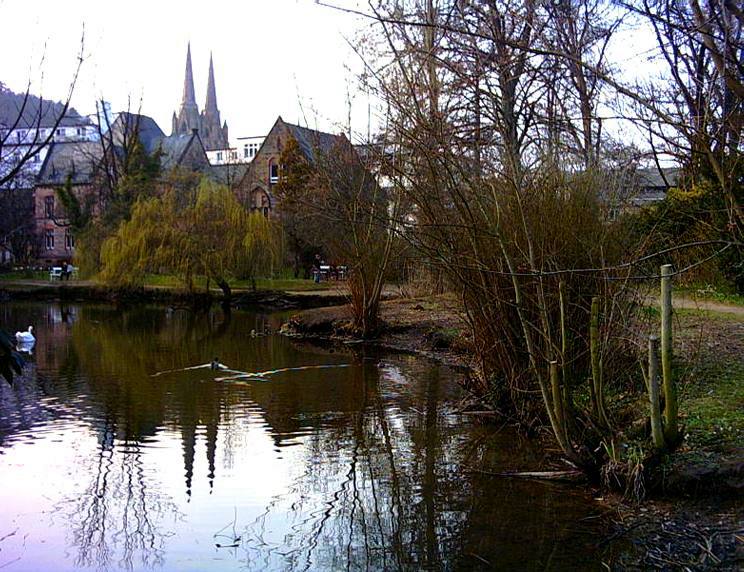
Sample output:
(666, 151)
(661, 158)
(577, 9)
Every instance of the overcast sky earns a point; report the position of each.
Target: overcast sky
(269, 56)
(272, 57)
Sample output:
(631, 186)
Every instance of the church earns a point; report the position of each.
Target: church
(207, 122)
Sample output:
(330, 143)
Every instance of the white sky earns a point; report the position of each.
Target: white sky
(268, 56)
(272, 57)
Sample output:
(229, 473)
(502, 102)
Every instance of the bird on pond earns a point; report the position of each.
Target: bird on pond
(25, 337)
(216, 364)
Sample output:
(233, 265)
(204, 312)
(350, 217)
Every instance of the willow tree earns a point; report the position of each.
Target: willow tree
(202, 233)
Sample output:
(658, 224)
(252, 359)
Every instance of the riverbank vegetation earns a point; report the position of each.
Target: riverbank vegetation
(496, 138)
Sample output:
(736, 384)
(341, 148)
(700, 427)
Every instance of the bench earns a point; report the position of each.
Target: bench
(55, 272)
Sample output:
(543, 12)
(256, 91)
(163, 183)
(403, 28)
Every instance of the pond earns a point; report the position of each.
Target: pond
(115, 456)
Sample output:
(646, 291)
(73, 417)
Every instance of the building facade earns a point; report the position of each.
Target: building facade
(255, 190)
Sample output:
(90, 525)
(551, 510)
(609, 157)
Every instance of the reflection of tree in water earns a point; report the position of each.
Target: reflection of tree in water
(117, 518)
(367, 498)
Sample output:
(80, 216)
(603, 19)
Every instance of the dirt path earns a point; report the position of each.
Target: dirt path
(685, 303)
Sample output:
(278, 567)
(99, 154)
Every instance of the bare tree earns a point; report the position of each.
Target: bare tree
(39, 120)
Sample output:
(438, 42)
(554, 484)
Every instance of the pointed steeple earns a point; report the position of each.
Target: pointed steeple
(189, 99)
(211, 104)
(188, 114)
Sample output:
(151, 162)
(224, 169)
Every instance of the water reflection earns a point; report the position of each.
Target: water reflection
(362, 467)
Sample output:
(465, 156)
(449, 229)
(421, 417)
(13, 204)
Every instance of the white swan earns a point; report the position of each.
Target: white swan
(26, 347)
(25, 337)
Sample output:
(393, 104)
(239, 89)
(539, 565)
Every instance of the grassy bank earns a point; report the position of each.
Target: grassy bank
(173, 282)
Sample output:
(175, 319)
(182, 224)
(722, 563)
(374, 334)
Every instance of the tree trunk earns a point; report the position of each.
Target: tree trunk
(226, 290)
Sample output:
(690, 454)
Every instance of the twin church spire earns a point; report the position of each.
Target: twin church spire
(213, 135)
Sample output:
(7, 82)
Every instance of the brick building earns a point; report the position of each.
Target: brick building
(74, 161)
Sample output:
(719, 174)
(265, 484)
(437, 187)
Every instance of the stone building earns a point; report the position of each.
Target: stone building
(81, 162)
(255, 189)
(213, 133)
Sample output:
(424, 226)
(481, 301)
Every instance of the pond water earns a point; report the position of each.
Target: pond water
(362, 465)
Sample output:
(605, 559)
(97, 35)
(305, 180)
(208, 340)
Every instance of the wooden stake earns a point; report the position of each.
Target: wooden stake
(653, 392)
(670, 392)
(557, 397)
(564, 344)
(596, 364)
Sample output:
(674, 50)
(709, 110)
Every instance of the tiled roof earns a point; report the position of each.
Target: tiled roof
(150, 133)
(77, 159)
(311, 140)
(229, 174)
(652, 177)
(173, 147)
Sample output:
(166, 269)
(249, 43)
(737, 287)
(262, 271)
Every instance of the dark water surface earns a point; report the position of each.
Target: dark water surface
(362, 467)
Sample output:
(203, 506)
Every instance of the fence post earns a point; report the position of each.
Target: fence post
(653, 392)
(557, 397)
(670, 392)
(596, 361)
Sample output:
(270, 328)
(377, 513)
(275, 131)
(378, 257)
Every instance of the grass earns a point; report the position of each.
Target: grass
(168, 281)
(714, 407)
(25, 275)
(297, 284)
(720, 294)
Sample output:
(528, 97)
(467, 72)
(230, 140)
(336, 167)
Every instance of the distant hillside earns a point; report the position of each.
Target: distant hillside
(11, 104)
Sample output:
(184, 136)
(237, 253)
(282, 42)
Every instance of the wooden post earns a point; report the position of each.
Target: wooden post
(557, 397)
(597, 391)
(670, 392)
(653, 392)
(564, 343)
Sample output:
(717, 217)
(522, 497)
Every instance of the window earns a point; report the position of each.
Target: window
(260, 202)
(246, 151)
(273, 172)
(37, 158)
(60, 132)
(81, 130)
(49, 239)
(69, 240)
(49, 207)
